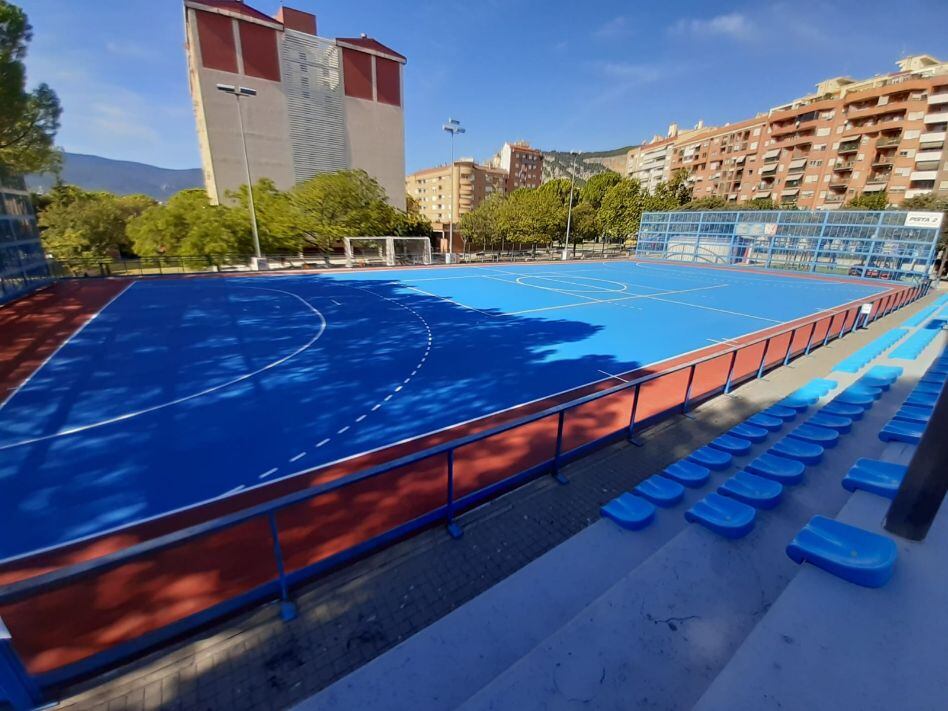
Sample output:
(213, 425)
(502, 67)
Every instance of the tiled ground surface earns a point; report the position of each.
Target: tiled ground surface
(255, 661)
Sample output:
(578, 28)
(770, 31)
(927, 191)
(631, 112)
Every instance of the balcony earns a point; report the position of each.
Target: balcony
(924, 175)
(848, 147)
(877, 179)
(844, 167)
(838, 184)
(888, 142)
(834, 199)
(882, 161)
(927, 156)
(940, 117)
(879, 109)
(915, 192)
(938, 99)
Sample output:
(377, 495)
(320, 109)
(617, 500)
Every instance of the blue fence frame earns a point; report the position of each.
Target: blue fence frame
(887, 244)
(23, 690)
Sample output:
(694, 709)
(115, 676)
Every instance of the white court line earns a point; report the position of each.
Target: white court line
(63, 344)
(623, 298)
(322, 442)
(656, 297)
(343, 430)
(360, 418)
(450, 301)
(268, 473)
(612, 375)
(727, 341)
(335, 302)
(206, 391)
(298, 457)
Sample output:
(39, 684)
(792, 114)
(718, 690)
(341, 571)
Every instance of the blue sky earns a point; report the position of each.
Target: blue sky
(560, 74)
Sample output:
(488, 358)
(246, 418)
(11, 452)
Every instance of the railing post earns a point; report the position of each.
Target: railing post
(559, 449)
(15, 681)
(763, 358)
(809, 339)
(730, 372)
(829, 330)
(287, 606)
(635, 407)
(453, 529)
(923, 488)
(786, 356)
(842, 326)
(691, 379)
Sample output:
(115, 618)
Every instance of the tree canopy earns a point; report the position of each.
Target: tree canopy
(29, 120)
(869, 201)
(81, 223)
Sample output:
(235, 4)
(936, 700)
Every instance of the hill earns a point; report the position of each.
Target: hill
(556, 164)
(119, 176)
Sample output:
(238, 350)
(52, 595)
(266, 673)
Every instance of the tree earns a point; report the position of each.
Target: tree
(622, 208)
(189, 225)
(80, 223)
(278, 217)
(532, 217)
(597, 186)
(672, 194)
(758, 204)
(481, 226)
(560, 188)
(711, 202)
(585, 223)
(29, 120)
(869, 201)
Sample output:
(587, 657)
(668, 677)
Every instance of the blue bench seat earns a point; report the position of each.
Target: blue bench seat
(850, 553)
(914, 414)
(880, 478)
(660, 490)
(792, 448)
(724, 516)
(688, 473)
(780, 469)
(711, 458)
(851, 398)
(822, 436)
(928, 388)
(888, 372)
(924, 399)
(902, 431)
(751, 489)
(731, 445)
(834, 422)
(797, 402)
(749, 432)
(859, 389)
(854, 412)
(784, 413)
(877, 383)
(630, 512)
(766, 421)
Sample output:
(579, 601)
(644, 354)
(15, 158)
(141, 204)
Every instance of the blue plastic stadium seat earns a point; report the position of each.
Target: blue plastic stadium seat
(731, 445)
(749, 432)
(807, 394)
(928, 388)
(914, 414)
(689, 473)
(791, 448)
(629, 511)
(876, 383)
(880, 478)
(823, 384)
(822, 436)
(784, 413)
(858, 389)
(885, 372)
(902, 431)
(797, 402)
(847, 552)
(724, 516)
(854, 412)
(834, 422)
(754, 490)
(923, 399)
(780, 469)
(711, 458)
(850, 398)
(767, 421)
(933, 379)
(660, 490)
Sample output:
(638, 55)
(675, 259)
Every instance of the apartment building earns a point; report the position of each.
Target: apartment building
(523, 165)
(819, 151)
(651, 163)
(469, 182)
(316, 104)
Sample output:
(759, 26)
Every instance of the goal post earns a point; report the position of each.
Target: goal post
(389, 250)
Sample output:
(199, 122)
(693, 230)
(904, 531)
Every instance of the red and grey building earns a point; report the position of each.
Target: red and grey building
(321, 104)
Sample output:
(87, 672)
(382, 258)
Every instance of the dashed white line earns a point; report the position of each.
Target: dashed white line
(298, 457)
(399, 388)
(269, 472)
(376, 406)
(322, 442)
(387, 397)
(343, 430)
(361, 417)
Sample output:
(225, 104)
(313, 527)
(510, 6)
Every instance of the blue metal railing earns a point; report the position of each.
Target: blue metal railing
(12, 671)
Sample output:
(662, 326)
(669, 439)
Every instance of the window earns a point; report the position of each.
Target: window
(916, 116)
(913, 134)
(811, 179)
(823, 131)
(816, 163)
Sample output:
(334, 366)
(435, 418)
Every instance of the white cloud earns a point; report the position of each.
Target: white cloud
(616, 27)
(733, 25)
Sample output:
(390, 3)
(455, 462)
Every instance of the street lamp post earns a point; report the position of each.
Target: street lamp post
(569, 210)
(237, 93)
(454, 128)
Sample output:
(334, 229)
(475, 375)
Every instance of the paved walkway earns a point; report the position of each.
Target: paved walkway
(353, 615)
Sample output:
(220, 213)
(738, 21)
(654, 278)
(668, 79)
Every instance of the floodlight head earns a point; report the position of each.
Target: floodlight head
(229, 88)
(453, 126)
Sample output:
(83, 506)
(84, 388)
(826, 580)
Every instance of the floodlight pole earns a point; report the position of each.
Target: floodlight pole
(453, 127)
(237, 93)
(569, 210)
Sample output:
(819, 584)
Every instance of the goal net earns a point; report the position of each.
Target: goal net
(388, 251)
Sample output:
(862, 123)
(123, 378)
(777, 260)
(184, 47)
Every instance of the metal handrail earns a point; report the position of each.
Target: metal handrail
(19, 590)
